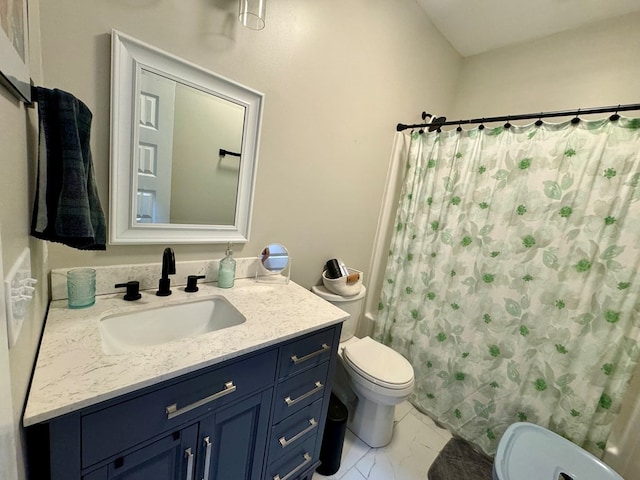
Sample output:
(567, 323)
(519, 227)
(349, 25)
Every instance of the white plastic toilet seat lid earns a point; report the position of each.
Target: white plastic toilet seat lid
(530, 452)
(378, 363)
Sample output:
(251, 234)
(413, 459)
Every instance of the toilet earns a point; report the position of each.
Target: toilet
(371, 378)
(530, 452)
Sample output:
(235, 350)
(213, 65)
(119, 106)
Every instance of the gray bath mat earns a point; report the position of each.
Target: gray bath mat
(459, 461)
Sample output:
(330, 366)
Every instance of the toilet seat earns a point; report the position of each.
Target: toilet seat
(378, 364)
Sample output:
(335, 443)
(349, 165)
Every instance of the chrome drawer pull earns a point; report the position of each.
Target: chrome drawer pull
(189, 455)
(317, 388)
(307, 459)
(173, 410)
(297, 360)
(207, 458)
(312, 424)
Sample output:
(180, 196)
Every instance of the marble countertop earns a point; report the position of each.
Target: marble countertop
(73, 372)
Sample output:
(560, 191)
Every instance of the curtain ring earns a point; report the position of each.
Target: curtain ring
(615, 117)
(459, 129)
(575, 120)
(481, 126)
(507, 125)
(539, 122)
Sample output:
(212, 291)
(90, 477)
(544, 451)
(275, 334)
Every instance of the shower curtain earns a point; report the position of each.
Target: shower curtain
(511, 282)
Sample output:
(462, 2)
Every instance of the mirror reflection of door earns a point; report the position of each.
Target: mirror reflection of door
(204, 184)
(181, 176)
(155, 146)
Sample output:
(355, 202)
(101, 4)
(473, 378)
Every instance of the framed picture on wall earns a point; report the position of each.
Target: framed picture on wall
(14, 48)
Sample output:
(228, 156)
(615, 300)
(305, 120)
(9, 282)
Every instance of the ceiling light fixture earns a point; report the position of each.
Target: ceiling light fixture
(252, 12)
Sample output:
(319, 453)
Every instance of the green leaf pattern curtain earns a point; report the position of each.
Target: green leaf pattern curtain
(511, 283)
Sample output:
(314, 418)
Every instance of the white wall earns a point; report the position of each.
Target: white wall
(337, 77)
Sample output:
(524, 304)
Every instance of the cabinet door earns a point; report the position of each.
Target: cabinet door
(233, 440)
(170, 458)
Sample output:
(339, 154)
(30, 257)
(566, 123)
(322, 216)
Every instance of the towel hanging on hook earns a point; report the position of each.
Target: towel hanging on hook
(66, 206)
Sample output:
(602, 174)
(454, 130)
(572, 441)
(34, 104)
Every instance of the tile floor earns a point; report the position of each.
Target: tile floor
(415, 444)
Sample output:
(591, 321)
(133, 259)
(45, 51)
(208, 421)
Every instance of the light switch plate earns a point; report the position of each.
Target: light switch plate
(18, 293)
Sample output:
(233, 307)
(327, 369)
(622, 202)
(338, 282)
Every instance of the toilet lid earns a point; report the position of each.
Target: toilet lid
(530, 452)
(378, 363)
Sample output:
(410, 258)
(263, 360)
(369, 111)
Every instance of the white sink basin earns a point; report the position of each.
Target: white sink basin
(136, 330)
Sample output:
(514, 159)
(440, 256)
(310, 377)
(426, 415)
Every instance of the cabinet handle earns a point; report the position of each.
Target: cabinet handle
(316, 389)
(312, 424)
(307, 459)
(297, 360)
(173, 410)
(189, 455)
(207, 458)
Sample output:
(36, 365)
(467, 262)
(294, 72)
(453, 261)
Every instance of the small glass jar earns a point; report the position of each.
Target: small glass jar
(81, 287)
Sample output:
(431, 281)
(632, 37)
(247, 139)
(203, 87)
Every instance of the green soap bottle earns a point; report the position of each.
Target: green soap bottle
(227, 269)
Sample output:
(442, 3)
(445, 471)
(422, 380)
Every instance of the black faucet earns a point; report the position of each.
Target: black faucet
(168, 268)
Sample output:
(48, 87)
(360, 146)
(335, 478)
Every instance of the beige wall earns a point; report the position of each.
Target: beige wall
(337, 76)
(587, 67)
(18, 134)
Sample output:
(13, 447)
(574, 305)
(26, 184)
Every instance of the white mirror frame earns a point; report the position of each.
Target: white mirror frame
(128, 57)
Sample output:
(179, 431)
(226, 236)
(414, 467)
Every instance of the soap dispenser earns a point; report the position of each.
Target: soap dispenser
(227, 269)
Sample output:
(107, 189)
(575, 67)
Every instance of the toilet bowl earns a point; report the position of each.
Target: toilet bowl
(530, 452)
(371, 378)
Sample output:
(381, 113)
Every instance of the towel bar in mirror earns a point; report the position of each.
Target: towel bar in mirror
(171, 121)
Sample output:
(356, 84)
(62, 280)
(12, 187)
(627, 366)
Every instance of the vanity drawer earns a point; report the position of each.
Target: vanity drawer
(297, 392)
(294, 430)
(109, 431)
(295, 462)
(306, 353)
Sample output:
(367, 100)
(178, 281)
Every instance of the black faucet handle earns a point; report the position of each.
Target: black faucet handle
(192, 283)
(133, 290)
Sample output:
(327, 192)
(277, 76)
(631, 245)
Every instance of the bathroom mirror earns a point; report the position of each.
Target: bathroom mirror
(184, 146)
(274, 264)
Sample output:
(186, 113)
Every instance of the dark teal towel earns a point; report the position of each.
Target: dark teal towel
(67, 207)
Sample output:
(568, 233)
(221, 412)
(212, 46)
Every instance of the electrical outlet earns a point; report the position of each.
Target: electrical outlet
(18, 293)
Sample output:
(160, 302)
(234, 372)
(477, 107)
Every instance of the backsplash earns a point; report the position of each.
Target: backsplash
(148, 275)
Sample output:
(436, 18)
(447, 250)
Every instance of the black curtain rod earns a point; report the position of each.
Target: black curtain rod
(441, 121)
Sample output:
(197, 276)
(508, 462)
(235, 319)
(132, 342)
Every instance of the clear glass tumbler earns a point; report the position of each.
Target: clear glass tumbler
(81, 287)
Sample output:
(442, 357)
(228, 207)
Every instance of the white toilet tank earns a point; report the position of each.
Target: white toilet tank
(353, 305)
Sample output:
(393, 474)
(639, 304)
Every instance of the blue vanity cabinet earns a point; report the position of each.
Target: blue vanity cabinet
(256, 417)
(171, 457)
(232, 440)
(301, 400)
(225, 445)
